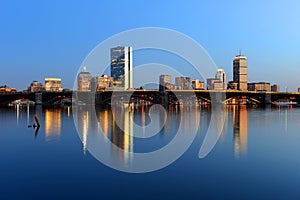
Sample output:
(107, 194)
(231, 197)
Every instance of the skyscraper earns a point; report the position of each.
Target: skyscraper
(121, 66)
(84, 80)
(240, 72)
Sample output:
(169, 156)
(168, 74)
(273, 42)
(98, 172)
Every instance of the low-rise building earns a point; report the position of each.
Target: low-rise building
(53, 85)
(275, 88)
(182, 83)
(232, 85)
(214, 84)
(103, 82)
(197, 84)
(36, 86)
(6, 89)
(217, 83)
(259, 87)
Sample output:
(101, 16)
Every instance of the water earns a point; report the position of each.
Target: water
(256, 156)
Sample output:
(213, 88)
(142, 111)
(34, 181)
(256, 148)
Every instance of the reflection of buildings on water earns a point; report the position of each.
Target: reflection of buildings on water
(179, 118)
(83, 118)
(122, 133)
(52, 123)
(104, 118)
(165, 119)
(240, 130)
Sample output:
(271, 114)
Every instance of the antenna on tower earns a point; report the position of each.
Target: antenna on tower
(84, 68)
(240, 52)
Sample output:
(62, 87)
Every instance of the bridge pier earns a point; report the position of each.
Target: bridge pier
(39, 98)
(217, 97)
(162, 98)
(268, 99)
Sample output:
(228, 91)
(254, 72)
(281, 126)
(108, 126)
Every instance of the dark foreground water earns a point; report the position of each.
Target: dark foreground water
(256, 157)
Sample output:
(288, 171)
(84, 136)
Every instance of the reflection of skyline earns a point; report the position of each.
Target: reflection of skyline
(83, 127)
(119, 133)
(240, 130)
(52, 123)
(104, 118)
(122, 133)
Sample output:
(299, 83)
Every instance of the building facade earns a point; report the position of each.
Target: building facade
(164, 82)
(210, 83)
(182, 83)
(240, 72)
(84, 80)
(217, 83)
(231, 85)
(53, 85)
(197, 84)
(6, 89)
(259, 87)
(221, 76)
(121, 66)
(36, 86)
(275, 88)
(103, 82)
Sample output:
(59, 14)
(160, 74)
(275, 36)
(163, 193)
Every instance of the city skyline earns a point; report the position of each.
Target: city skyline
(42, 43)
(122, 77)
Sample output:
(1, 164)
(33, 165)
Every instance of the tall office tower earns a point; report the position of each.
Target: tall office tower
(221, 76)
(240, 72)
(164, 82)
(84, 80)
(121, 66)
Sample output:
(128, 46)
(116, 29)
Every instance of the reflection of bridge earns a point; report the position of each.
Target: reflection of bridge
(45, 98)
(154, 96)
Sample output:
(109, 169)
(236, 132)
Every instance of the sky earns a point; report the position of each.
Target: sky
(52, 38)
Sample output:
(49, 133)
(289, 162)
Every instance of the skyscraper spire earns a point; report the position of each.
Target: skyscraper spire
(84, 68)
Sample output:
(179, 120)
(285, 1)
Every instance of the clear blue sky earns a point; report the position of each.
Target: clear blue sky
(51, 38)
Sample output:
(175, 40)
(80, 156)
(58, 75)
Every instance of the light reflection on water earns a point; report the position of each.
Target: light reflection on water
(52, 123)
(121, 135)
(258, 151)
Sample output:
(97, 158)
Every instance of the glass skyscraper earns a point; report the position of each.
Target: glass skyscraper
(121, 66)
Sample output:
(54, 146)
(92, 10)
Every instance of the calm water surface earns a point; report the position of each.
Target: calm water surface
(256, 157)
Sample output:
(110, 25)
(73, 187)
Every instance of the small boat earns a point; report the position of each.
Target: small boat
(284, 102)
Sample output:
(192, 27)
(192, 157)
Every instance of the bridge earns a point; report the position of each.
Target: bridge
(105, 97)
(203, 96)
(43, 98)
